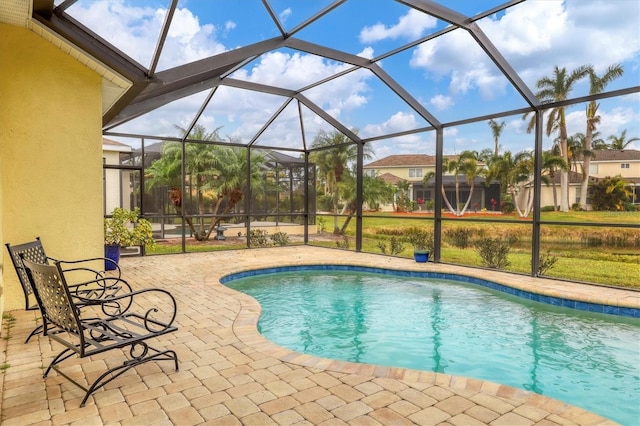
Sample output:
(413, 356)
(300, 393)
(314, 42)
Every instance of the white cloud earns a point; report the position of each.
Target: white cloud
(409, 26)
(534, 36)
(398, 122)
(442, 102)
(284, 15)
(135, 31)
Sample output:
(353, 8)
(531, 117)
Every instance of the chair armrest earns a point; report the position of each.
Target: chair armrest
(81, 265)
(147, 305)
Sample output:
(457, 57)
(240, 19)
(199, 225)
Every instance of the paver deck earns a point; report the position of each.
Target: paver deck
(230, 375)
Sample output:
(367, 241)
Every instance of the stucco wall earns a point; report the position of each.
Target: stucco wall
(50, 153)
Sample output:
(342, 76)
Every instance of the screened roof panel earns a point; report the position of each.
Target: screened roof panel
(164, 120)
(289, 69)
(132, 28)
(284, 131)
(454, 78)
(239, 113)
(369, 33)
(535, 37)
(260, 53)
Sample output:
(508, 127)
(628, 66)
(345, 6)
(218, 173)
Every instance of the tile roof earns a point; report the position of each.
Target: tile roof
(616, 155)
(406, 160)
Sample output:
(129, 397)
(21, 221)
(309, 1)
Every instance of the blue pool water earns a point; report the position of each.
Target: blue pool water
(587, 359)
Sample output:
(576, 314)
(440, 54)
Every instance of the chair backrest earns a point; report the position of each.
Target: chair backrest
(54, 298)
(34, 252)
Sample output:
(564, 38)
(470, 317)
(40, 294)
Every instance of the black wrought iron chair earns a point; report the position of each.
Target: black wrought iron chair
(121, 321)
(87, 279)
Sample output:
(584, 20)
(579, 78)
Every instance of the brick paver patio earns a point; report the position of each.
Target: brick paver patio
(230, 375)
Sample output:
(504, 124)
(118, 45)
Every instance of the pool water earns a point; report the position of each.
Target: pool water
(586, 359)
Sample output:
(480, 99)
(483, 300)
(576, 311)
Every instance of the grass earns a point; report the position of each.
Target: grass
(608, 255)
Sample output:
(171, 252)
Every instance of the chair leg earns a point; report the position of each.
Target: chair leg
(65, 354)
(35, 331)
(115, 372)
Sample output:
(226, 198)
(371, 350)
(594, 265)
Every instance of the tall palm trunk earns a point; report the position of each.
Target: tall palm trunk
(564, 175)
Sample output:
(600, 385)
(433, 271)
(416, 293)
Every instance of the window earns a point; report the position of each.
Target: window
(624, 165)
(415, 173)
(369, 172)
(593, 169)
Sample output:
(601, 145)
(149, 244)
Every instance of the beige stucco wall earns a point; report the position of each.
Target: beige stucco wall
(614, 169)
(50, 153)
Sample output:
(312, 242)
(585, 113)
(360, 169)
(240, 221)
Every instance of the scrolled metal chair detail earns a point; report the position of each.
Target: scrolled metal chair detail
(123, 321)
(84, 278)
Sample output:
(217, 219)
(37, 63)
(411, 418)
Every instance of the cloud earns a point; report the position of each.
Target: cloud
(398, 122)
(135, 31)
(533, 37)
(284, 15)
(441, 102)
(410, 26)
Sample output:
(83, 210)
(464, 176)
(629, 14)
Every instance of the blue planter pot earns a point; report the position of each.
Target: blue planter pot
(113, 253)
(421, 256)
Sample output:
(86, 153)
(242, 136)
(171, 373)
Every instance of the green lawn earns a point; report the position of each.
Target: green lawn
(608, 255)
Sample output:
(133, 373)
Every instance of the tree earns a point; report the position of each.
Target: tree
(334, 153)
(519, 169)
(403, 194)
(621, 142)
(374, 191)
(465, 164)
(554, 89)
(597, 84)
(551, 162)
(496, 131)
(216, 171)
(609, 194)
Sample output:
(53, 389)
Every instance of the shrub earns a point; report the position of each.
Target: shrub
(547, 209)
(429, 204)
(507, 207)
(609, 194)
(280, 239)
(259, 238)
(396, 246)
(546, 262)
(459, 236)
(493, 252)
(344, 244)
(324, 203)
(419, 238)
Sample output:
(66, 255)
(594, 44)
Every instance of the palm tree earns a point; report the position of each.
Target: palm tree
(597, 84)
(621, 142)
(199, 168)
(220, 171)
(555, 89)
(231, 182)
(374, 191)
(465, 164)
(496, 131)
(520, 168)
(403, 194)
(551, 162)
(337, 153)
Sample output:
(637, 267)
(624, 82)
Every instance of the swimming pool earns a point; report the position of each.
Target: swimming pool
(587, 359)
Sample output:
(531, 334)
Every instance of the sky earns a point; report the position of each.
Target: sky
(450, 76)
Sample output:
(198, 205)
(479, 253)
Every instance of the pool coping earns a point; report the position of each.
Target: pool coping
(622, 309)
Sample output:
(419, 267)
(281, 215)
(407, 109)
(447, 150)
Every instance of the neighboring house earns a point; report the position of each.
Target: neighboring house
(118, 184)
(604, 163)
(413, 167)
(614, 162)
